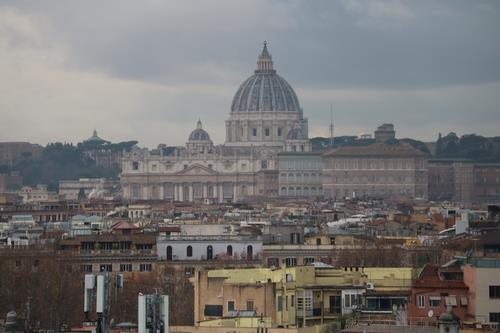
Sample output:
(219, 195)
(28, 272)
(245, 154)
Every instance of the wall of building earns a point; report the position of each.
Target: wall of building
(300, 175)
(199, 248)
(479, 280)
(370, 176)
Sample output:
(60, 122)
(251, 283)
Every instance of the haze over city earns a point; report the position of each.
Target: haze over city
(250, 166)
(149, 70)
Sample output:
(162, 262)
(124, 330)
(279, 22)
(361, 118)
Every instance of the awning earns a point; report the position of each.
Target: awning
(451, 300)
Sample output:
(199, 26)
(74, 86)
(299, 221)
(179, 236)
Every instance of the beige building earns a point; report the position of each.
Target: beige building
(300, 174)
(483, 280)
(377, 170)
(298, 296)
(265, 119)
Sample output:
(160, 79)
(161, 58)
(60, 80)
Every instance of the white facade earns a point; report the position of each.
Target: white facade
(265, 118)
(172, 248)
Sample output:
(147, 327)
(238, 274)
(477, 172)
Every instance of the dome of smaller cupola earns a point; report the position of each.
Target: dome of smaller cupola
(199, 134)
(296, 134)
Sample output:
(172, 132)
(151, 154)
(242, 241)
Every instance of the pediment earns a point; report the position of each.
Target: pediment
(197, 169)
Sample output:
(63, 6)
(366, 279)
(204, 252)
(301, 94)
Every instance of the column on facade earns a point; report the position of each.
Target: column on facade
(228, 134)
(235, 191)
(181, 192)
(220, 192)
(205, 190)
(176, 196)
(234, 133)
(190, 193)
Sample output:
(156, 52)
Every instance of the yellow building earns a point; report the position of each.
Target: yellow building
(296, 296)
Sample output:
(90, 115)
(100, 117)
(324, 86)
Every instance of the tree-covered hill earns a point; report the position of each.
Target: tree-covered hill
(469, 146)
(64, 161)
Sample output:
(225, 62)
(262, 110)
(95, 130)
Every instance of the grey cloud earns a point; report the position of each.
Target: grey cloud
(427, 66)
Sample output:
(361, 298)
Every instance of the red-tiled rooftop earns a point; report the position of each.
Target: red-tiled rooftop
(123, 225)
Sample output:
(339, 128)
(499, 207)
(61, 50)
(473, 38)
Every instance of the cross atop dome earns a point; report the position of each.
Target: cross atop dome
(265, 60)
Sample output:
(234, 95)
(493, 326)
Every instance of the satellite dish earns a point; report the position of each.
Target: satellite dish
(430, 313)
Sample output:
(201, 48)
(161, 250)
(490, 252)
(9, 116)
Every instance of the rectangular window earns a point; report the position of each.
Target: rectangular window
(434, 301)
(106, 246)
(263, 164)
(145, 267)
(144, 248)
(306, 301)
(280, 303)
(230, 306)
(308, 260)
(125, 267)
(212, 310)
(335, 304)
(86, 268)
(494, 291)
(135, 165)
(291, 262)
(254, 132)
(450, 300)
(494, 317)
(280, 131)
(87, 246)
(351, 300)
(421, 301)
(347, 301)
(267, 131)
(106, 268)
(250, 305)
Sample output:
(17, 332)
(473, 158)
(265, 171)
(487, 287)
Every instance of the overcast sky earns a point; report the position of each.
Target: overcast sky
(147, 70)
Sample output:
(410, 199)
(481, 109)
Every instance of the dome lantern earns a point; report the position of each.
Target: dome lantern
(265, 61)
(265, 90)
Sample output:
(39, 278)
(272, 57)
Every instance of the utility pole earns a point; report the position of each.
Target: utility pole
(331, 126)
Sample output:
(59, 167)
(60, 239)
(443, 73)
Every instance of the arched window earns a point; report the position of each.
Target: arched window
(169, 253)
(210, 252)
(249, 252)
(229, 250)
(189, 251)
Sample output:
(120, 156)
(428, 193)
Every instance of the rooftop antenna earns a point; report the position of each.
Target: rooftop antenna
(331, 125)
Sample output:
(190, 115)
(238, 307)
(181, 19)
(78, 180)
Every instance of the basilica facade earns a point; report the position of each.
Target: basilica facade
(265, 119)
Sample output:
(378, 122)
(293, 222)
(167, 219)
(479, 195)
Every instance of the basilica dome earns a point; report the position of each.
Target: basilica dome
(265, 90)
(199, 134)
